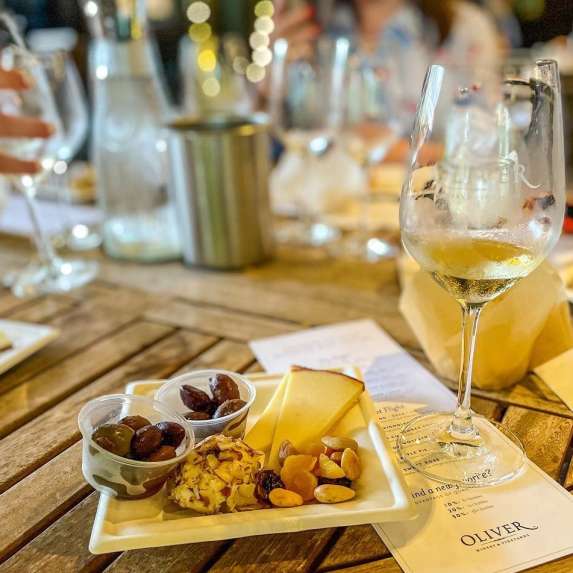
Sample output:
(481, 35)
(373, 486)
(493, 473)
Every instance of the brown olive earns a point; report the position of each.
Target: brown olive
(228, 407)
(223, 388)
(162, 453)
(196, 399)
(172, 433)
(197, 416)
(135, 422)
(146, 440)
(115, 438)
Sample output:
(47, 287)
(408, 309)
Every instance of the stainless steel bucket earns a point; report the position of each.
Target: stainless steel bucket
(219, 177)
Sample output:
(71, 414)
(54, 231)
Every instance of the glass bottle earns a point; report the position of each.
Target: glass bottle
(128, 140)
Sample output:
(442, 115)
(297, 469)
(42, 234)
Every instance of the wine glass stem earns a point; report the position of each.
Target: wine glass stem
(462, 424)
(43, 244)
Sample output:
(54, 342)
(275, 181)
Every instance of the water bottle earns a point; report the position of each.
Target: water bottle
(129, 142)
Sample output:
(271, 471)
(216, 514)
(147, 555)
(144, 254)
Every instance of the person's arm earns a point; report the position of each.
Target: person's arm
(24, 127)
(297, 26)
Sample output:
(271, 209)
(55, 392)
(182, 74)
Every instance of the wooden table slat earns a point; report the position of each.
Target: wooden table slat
(545, 438)
(226, 324)
(56, 429)
(34, 396)
(292, 553)
(78, 329)
(356, 544)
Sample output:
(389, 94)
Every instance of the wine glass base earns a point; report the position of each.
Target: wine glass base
(369, 249)
(64, 276)
(495, 455)
(301, 234)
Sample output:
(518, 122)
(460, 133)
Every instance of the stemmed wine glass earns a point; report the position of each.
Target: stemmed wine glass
(52, 273)
(376, 117)
(71, 104)
(482, 206)
(306, 109)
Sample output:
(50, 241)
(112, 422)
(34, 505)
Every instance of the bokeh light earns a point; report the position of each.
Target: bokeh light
(264, 25)
(200, 32)
(198, 12)
(240, 64)
(255, 73)
(258, 40)
(262, 57)
(211, 87)
(207, 60)
(264, 8)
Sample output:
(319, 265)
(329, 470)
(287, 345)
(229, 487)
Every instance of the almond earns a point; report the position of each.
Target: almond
(329, 469)
(350, 464)
(330, 493)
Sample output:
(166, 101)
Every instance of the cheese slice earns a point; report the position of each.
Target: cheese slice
(260, 436)
(314, 400)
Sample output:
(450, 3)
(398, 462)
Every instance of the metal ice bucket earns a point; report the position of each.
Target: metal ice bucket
(219, 178)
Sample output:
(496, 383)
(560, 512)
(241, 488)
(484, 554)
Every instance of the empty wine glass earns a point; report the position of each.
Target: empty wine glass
(306, 108)
(482, 206)
(71, 104)
(376, 117)
(51, 273)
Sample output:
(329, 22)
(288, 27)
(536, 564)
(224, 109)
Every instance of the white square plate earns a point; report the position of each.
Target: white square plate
(26, 339)
(381, 494)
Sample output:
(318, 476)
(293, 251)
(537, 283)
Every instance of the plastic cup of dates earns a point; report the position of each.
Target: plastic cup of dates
(213, 405)
(131, 444)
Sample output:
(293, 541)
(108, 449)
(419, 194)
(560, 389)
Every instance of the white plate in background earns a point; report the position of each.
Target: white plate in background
(26, 339)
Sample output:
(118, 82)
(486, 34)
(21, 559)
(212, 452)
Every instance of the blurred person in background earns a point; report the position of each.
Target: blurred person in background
(405, 36)
(415, 31)
(26, 127)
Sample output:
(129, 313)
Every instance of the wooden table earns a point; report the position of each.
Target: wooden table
(140, 322)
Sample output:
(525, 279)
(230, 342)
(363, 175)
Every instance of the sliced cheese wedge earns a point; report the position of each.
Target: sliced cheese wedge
(260, 436)
(314, 400)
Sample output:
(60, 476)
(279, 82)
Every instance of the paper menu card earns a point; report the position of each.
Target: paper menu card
(498, 529)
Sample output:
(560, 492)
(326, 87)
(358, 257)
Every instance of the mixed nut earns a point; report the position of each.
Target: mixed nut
(136, 438)
(224, 400)
(324, 473)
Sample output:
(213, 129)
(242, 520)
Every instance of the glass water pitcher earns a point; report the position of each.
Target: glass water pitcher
(129, 146)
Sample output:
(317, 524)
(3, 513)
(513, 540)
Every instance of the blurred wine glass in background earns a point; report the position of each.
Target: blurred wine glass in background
(51, 273)
(53, 48)
(376, 118)
(305, 100)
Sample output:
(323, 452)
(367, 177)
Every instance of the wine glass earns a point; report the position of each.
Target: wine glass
(482, 206)
(306, 110)
(376, 117)
(71, 104)
(52, 273)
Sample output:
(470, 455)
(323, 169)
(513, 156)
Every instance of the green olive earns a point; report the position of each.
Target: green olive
(115, 438)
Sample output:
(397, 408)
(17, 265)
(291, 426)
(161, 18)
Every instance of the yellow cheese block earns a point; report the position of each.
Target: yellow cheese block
(314, 400)
(260, 436)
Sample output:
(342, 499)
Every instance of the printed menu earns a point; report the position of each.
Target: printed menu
(500, 529)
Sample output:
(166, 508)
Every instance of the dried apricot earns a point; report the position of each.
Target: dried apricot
(303, 483)
(296, 464)
(280, 497)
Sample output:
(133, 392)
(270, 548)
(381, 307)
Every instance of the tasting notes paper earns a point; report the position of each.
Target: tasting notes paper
(499, 529)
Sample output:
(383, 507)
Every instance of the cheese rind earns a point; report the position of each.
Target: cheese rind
(314, 400)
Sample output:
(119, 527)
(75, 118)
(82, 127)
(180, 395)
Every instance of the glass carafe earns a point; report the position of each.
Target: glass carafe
(128, 145)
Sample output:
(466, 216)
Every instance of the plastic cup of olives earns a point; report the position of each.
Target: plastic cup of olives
(117, 475)
(233, 424)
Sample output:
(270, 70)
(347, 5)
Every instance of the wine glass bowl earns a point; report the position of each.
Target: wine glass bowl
(35, 102)
(305, 104)
(480, 215)
(375, 119)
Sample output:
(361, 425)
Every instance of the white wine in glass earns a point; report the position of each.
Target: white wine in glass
(482, 206)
